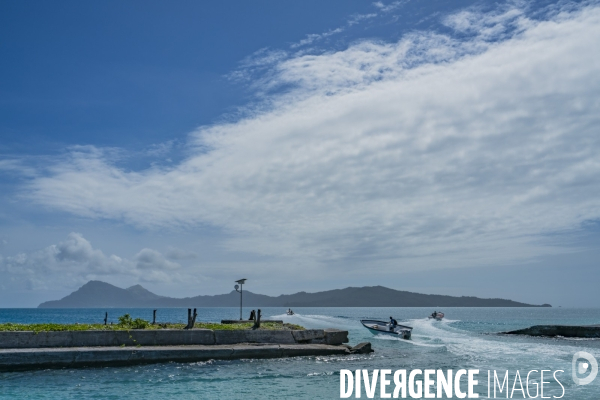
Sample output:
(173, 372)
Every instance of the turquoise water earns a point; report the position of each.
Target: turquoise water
(466, 339)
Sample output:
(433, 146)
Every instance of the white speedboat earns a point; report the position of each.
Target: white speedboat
(290, 312)
(377, 327)
(436, 315)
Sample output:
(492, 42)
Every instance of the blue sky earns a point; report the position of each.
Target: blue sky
(305, 146)
(140, 73)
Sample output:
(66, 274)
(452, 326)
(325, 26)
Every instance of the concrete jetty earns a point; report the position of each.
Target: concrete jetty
(76, 357)
(570, 331)
(23, 350)
(168, 337)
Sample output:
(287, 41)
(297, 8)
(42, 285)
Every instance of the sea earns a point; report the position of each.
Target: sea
(468, 338)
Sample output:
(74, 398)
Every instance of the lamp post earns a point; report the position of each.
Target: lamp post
(241, 284)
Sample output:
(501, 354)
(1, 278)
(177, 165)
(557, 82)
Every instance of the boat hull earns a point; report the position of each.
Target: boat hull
(401, 331)
(438, 316)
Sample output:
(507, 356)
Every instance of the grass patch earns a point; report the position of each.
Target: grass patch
(127, 324)
(271, 326)
(49, 327)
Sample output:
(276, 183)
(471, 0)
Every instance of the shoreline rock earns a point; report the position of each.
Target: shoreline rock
(570, 331)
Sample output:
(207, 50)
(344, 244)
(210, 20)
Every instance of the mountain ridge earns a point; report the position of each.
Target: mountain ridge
(96, 294)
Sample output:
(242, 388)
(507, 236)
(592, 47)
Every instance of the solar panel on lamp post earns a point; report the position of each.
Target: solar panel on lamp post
(241, 282)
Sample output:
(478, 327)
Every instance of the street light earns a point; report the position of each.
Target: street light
(241, 282)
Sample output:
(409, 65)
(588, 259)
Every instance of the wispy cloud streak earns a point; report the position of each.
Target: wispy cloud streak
(431, 151)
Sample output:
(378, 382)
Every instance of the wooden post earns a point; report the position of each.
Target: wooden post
(193, 319)
(257, 320)
(154, 318)
(105, 318)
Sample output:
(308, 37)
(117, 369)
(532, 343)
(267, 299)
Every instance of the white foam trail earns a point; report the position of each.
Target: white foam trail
(487, 351)
(490, 350)
(446, 321)
(316, 321)
(410, 341)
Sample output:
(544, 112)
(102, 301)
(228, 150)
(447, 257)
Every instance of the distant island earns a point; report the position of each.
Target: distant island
(96, 294)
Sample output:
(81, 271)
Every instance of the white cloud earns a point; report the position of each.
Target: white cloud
(386, 8)
(491, 25)
(358, 18)
(17, 167)
(148, 259)
(161, 149)
(258, 61)
(431, 151)
(316, 36)
(263, 59)
(74, 261)
(351, 21)
(179, 254)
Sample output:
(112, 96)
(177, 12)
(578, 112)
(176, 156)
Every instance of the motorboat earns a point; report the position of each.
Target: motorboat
(377, 327)
(436, 315)
(290, 312)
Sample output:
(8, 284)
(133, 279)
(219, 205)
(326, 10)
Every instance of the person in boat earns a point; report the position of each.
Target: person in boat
(434, 314)
(393, 324)
(290, 312)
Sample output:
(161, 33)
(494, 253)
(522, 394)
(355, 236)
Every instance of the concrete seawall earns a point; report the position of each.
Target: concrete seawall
(28, 359)
(34, 350)
(572, 331)
(167, 337)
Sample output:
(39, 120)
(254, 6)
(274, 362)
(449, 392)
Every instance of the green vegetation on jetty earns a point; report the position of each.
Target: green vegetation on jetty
(126, 323)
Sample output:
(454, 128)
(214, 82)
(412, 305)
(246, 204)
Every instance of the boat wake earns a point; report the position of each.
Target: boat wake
(486, 350)
(478, 350)
(413, 341)
(316, 321)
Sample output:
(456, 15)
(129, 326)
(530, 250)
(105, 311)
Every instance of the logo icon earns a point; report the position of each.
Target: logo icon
(581, 367)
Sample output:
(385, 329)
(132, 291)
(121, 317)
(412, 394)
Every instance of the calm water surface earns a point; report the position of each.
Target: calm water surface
(467, 339)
